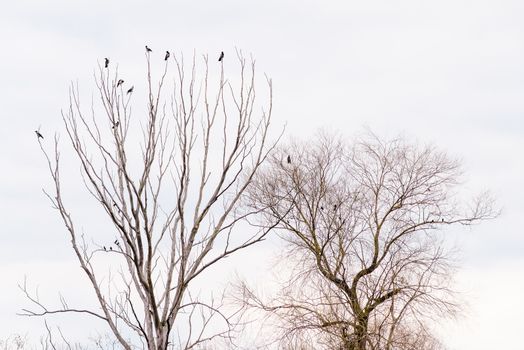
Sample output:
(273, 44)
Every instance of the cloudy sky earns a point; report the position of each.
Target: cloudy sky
(448, 72)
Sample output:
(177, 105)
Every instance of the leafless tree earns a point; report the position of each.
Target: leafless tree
(361, 221)
(172, 198)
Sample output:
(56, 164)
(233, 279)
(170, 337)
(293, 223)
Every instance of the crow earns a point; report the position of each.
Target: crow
(116, 242)
(111, 248)
(130, 90)
(38, 134)
(167, 55)
(106, 62)
(148, 49)
(221, 56)
(120, 82)
(335, 207)
(289, 159)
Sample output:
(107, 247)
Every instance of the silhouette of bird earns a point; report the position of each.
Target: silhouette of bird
(120, 82)
(116, 242)
(105, 248)
(167, 55)
(221, 56)
(335, 207)
(130, 90)
(110, 248)
(321, 208)
(289, 159)
(38, 135)
(148, 49)
(442, 220)
(106, 62)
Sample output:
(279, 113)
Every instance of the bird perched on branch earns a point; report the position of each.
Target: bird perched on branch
(38, 135)
(106, 62)
(289, 159)
(221, 56)
(148, 49)
(130, 89)
(120, 82)
(167, 55)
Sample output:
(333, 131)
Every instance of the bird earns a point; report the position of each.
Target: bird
(120, 82)
(167, 55)
(111, 248)
(106, 62)
(221, 56)
(130, 89)
(116, 242)
(38, 135)
(442, 220)
(335, 207)
(321, 208)
(288, 159)
(148, 49)
(105, 248)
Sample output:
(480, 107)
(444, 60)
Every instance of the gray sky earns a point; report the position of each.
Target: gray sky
(446, 72)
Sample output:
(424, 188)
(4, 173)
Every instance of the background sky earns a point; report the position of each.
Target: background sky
(447, 72)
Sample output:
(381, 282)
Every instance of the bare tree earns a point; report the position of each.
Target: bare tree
(361, 222)
(172, 198)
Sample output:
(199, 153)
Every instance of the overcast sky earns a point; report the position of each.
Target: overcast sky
(448, 72)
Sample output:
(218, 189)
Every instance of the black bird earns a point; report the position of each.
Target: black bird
(321, 208)
(335, 207)
(110, 248)
(442, 219)
(106, 62)
(105, 248)
(167, 55)
(130, 90)
(289, 159)
(116, 242)
(120, 82)
(148, 49)
(221, 56)
(38, 135)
